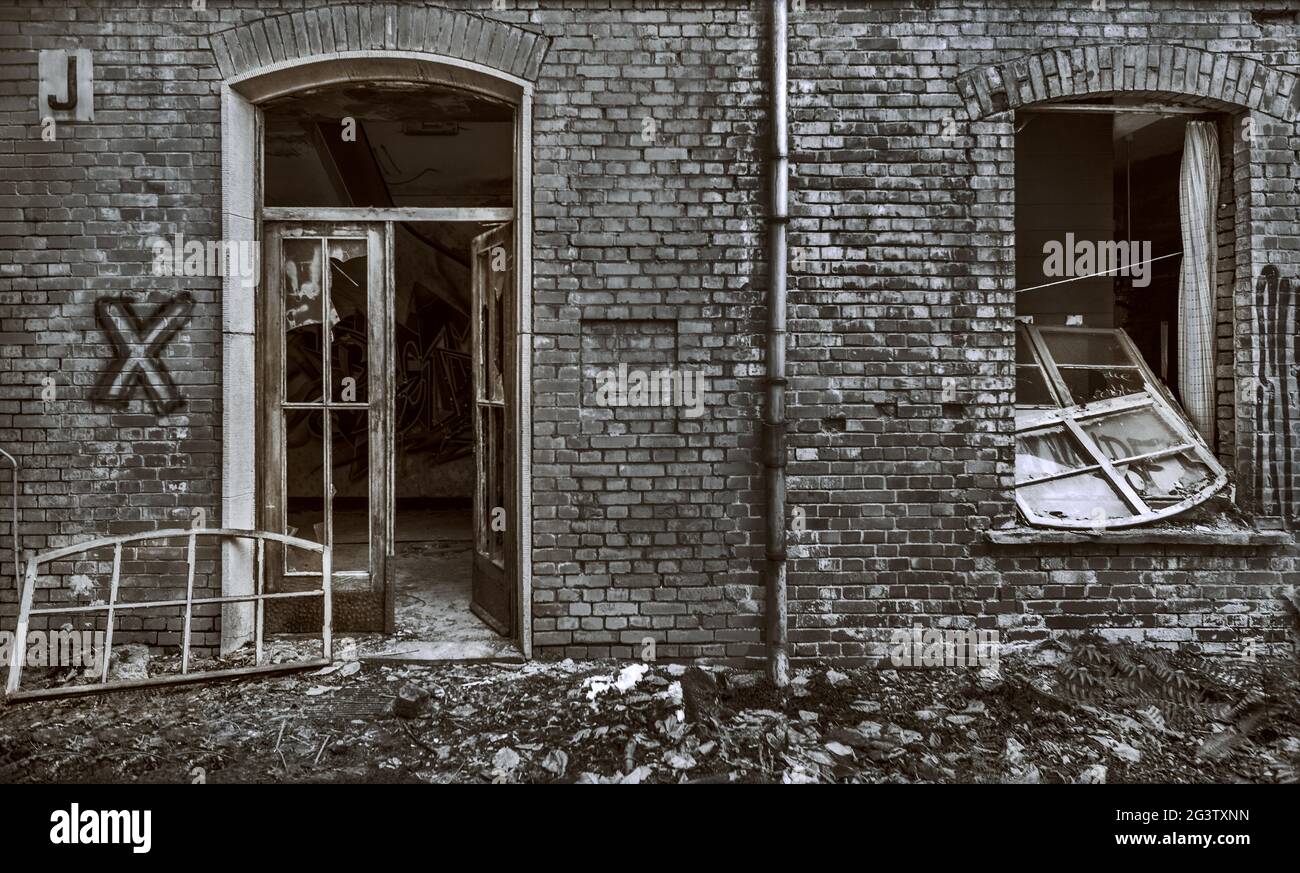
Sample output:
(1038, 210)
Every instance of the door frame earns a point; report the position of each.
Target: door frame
(242, 215)
(487, 574)
(272, 369)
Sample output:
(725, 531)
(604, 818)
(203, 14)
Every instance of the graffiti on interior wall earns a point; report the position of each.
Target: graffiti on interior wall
(1274, 391)
(138, 342)
(433, 402)
(431, 390)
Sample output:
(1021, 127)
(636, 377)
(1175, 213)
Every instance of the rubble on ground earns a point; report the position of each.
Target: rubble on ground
(1093, 712)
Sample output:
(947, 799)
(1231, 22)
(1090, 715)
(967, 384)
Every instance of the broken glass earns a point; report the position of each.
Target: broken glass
(1046, 453)
(303, 292)
(1098, 442)
(1087, 346)
(1131, 433)
(349, 325)
(1168, 479)
(1089, 384)
(1086, 497)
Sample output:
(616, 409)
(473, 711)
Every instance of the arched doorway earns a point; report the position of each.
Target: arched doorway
(353, 216)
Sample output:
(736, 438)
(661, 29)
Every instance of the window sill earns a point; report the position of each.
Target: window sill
(1169, 535)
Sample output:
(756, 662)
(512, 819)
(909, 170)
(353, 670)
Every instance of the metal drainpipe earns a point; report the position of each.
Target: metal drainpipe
(778, 657)
(18, 550)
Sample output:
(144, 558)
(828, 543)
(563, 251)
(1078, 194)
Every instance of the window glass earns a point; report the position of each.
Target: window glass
(1131, 433)
(1086, 347)
(304, 285)
(1085, 497)
(350, 492)
(1088, 385)
(1046, 452)
(304, 481)
(1031, 388)
(1166, 480)
(348, 322)
(1095, 368)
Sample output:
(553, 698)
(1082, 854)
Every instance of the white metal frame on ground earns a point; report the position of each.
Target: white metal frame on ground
(258, 597)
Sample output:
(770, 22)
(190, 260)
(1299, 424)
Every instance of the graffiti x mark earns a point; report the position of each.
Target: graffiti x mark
(137, 348)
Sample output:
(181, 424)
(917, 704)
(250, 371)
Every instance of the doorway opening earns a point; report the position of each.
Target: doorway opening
(435, 469)
(388, 348)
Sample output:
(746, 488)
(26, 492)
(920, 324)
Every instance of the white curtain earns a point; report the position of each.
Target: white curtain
(1198, 191)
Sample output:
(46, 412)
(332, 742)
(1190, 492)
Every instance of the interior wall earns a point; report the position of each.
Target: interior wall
(1064, 173)
(432, 333)
(1147, 210)
(432, 341)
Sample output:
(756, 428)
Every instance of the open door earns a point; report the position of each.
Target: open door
(324, 464)
(495, 501)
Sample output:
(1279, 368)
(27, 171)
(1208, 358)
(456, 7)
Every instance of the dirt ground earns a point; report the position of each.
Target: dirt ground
(1093, 712)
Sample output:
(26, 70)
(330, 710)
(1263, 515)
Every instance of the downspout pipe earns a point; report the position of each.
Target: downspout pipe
(774, 442)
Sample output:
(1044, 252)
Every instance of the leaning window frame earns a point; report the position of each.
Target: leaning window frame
(1071, 416)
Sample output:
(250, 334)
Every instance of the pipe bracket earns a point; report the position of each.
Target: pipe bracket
(774, 445)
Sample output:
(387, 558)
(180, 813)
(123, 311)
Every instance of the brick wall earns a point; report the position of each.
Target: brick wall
(647, 531)
(648, 240)
(76, 219)
(908, 238)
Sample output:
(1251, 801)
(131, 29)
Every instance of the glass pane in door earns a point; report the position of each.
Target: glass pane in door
(351, 480)
(349, 325)
(496, 345)
(304, 485)
(496, 489)
(302, 290)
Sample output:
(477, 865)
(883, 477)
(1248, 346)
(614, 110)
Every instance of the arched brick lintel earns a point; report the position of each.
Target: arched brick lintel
(1211, 79)
(300, 37)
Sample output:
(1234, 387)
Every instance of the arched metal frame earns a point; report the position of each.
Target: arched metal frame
(257, 598)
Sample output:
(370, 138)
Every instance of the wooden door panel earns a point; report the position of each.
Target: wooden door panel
(495, 510)
(322, 392)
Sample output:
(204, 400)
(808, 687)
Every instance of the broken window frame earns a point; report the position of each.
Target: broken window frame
(260, 595)
(1072, 418)
(277, 404)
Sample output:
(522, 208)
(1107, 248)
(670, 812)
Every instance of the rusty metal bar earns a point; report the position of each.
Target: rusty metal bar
(172, 533)
(327, 605)
(189, 606)
(174, 679)
(260, 606)
(150, 604)
(112, 604)
(19, 652)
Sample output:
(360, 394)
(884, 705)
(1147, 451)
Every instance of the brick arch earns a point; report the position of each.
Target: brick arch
(328, 32)
(1211, 79)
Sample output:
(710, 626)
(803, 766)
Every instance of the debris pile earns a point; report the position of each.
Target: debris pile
(1092, 712)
